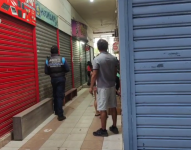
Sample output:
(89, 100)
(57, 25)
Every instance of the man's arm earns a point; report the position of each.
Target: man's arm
(66, 67)
(46, 71)
(94, 75)
(94, 78)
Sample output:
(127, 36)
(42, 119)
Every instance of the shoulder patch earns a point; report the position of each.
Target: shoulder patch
(63, 60)
(46, 61)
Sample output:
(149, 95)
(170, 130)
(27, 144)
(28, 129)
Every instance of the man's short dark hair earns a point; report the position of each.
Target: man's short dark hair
(102, 45)
(54, 49)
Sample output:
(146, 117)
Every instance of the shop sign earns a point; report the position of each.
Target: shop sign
(46, 15)
(116, 47)
(20, 9)
(116, 39)
(79, 30)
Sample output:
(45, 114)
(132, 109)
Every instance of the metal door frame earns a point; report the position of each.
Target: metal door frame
(127, 74)
(86, 76)
(36, 63)
(72, 62)
(91, 51)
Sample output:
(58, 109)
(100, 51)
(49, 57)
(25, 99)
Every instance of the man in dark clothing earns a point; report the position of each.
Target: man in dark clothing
(56, 66)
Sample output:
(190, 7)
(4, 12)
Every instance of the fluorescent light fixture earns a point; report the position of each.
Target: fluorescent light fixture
(106, 35)
(82, 42)
(91, 0)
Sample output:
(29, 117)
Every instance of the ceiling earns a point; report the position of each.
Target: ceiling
(100, 14)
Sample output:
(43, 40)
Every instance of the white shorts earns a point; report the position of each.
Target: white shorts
(106, 98)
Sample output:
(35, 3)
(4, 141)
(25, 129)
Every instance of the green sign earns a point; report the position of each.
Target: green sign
(46, 15)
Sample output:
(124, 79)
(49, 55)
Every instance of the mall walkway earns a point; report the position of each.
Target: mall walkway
(75, 133)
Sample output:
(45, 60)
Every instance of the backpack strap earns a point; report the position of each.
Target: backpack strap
(47, 60)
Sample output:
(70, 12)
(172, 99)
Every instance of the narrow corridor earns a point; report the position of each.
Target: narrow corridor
(75, 133)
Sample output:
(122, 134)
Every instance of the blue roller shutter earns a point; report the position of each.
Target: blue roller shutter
(162, 71)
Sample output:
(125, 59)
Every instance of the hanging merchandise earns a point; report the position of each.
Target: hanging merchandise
(65, 51)
(18, 71)
(46, 37)
(83, 64)
(76, 62)
(20, 9)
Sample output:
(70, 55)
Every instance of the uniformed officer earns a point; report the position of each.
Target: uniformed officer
(56, 66)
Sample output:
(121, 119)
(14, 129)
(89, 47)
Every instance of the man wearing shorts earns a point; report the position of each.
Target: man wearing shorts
(104, 72)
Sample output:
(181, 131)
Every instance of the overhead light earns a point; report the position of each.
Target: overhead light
(91, 0)
(82, 42)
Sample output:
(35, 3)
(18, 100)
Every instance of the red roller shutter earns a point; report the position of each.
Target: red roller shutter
(17, 70)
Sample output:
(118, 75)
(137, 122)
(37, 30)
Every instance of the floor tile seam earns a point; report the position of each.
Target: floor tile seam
(83, 115)
(72, 131)
(51, 140)
(77, 127)
(92, 133)
(78, 120)
(88, 127)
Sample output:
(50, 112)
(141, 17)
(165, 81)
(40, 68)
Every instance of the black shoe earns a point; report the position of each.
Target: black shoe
(114, 129)
(101, 132)
(61, 118)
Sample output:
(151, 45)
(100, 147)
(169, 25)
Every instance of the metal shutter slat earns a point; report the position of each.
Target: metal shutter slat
(65, 51)
(17, 77)
(83, 64)
(161, 41)
(46, 37)
(76, 61)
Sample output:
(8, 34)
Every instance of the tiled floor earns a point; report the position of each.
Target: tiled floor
(75, 133)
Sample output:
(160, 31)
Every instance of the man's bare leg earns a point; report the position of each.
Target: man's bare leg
(114, 128)
(103, 119)
(97, 112)
(95, 104)
(114, 116)
(102, 132)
